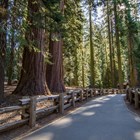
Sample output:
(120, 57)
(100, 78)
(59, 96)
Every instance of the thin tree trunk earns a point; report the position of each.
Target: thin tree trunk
(75, 68)
(131, 62)
(102, 66)
(108, 84)
(33, 78)
(130, 43)
(3, 19)
(118, 46)
(11, 60)
(83, 70)
(110, 46)
(113, 56)
(92, 69)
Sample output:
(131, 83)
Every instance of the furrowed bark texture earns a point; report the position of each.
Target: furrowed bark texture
(33, 78)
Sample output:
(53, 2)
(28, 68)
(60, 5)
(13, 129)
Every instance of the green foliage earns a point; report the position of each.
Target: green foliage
(74, 28)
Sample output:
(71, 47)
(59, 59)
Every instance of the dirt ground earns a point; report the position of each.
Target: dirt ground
(9, 98)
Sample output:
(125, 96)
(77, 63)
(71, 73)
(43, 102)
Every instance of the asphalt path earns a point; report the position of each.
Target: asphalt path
(103, 118)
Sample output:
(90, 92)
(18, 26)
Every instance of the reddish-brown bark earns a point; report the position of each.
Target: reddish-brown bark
(55, 79)
(33, 78)
(55, 74)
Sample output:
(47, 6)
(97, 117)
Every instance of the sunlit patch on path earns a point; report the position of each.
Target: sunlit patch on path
(103, 118)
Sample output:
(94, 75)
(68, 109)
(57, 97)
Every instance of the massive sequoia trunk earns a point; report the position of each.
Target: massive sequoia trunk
(55, 76)
(3, 19)
(33, 79)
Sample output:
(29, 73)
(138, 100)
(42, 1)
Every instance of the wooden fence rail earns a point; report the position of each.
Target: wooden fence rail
(133, 96)
(28, 107)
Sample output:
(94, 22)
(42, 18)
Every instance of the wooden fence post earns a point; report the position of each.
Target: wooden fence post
(25, 111)
(126, 92)
(61, 103)
(117, 90)
(86, 94)
(73, 99)
(100, 91)
(130, 96)
(107, 91)
(81, 95)
(91, 93)
(32, 112)
(136, 100)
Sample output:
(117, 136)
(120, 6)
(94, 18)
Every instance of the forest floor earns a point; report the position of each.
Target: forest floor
(11, 99)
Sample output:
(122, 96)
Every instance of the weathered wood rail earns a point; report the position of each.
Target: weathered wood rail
(28, 107)
(133, 96)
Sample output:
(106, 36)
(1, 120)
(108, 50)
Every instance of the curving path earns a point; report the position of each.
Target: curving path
(103, 118)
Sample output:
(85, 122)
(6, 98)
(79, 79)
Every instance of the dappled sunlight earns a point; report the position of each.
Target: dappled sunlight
(137, 135)
(111, 95)
(101, 99)
(65, 122)
(88, 113)
(94, 121)
(137, 119)
(106, 99)
(82, 109)
(93, 106)
(42, 136)
(122, 95)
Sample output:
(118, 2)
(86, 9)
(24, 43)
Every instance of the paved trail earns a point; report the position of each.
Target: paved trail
(103, 118)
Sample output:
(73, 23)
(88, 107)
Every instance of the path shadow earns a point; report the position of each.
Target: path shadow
(104, 118)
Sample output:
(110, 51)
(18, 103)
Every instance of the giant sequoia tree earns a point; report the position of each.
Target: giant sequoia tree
(3, 19)
(55, 75)
(33, 79)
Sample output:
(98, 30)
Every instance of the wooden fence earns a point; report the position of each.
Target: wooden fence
(133, 96)
(28, 107)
